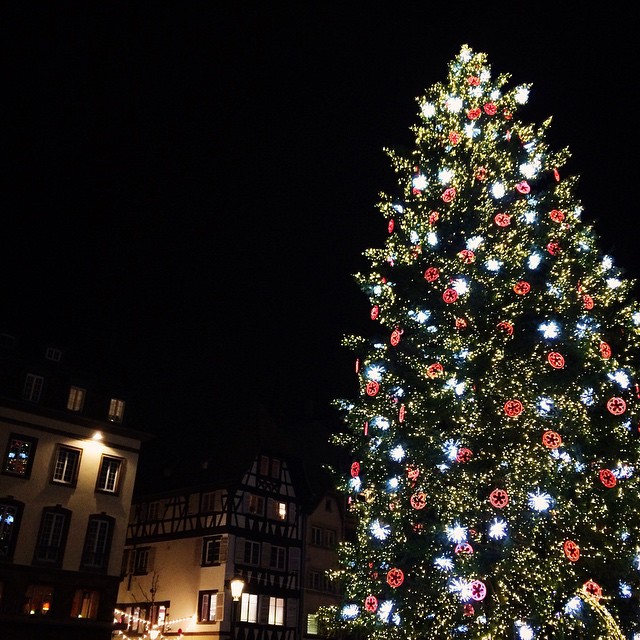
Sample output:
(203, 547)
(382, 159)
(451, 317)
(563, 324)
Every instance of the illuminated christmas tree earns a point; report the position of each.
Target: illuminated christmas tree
(495, 437)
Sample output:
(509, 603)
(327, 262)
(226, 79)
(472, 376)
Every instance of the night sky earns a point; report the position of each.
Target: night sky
(189, 186)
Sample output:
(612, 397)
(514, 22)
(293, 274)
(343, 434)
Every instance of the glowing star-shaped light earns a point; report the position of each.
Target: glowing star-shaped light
(454, 104)
(445, 176)
(534, 260)
(545, 406)
(539, 500)
(522, 95)
(550, 330)
(393, 484)
(374, 372)
(529, 217)
(460, 285)
(587, 397)
(397, 453)
(432, 238)
(457, 533)
(421, 315)
(350, 611)
(613, 283)
(378, 422)
(419, 182)
(525, 632)
(497, 190)
(607, 263)
(620, 377)
(573, 606)
(474, 243)
(493, 265)
(443, 563)
(355, 484)
(450, 448)
(384, 610)
(529, 170)
(414, 238)
(428, 109)
(624, 589)
(471, 131)
(379, 530)
(377, 290)
(636, 562)
(622, 472)
(498, 529)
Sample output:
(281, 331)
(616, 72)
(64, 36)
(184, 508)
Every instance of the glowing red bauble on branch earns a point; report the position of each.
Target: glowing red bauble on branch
(450, 296)
(607, 478)
(395, 337)
(355, 469)
(431, 274)
(372, 388)
(478, 590)
(395, 578)
(468, 610)
(463, 548)
(551, 439)
(571, 550)
(474, 114)
(513, 408)
(587, 302)
(522, 288)
(461, 323)
(449, 194)
(593, 589)
(357, 365)
(553, 248)
(499, 498)
(616, 406)
(556, 360)
(464, 455)
(556, 216)
(419, 500)
(507, 114)
(401, 413)
(467, 256)
(434, 370)
(490, 109)
(474, 81)
(391, 225)
(454, 138)
(506, 326)
(523, 187)
(375, 312)
(481, 173)
(371, 604)
(605, 350)
(434, 216)
(556, 175)
(502, 219)
(413, 472)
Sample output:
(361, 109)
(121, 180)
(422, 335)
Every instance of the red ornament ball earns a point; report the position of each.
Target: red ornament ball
(418, 500)
(454, 138)
(474, 114)
(478, 590)
(490, 109)
(481, 173)
(587, 302)
(401, 413)
(467, 256)
(556, 360)
(468, 610)
(434, 216)
(499, 498)
(553, 248)
(607, 478)
(371, 604)
(522, 288)
(395, 577)
(355, 469)
(461, 323)
(474, 81)
(449, 194)
(523, 187)
(431, 274)
(593, 589)
(464, 455)
(395, 337)
(372, 388)
(506, 326)
(556, 215)
(450, 296)
(463, 548)
(571, 550)
(605, 350)
(413, 472)
(502, 219)
(551, 439)
(434, 370)
(391, 225)
(375, 312)
(556, 175)
(513, 408)
(616, 406)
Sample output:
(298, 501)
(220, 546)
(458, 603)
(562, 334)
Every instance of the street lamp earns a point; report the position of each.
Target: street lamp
(236, 585)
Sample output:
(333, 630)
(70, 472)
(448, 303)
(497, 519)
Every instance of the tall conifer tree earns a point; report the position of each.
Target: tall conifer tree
(494, 439)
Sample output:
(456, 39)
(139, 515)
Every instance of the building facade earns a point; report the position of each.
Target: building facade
(67, 474)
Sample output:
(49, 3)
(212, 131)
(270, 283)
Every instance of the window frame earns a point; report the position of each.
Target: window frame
(249, 607)
(32, 387)
(82, 603)
(73, 481)
(76, 398)
(109, 523)
(213, 600)
(278, 558)
(106, 458)
(13, 437)
(116, 410)
(276, 614)
(54, 525)
(10, 546)
(316, 536)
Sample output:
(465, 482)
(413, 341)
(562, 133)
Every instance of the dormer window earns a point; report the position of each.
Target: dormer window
(116, 410)
(75, 401)
(32, 387)
(53, 354)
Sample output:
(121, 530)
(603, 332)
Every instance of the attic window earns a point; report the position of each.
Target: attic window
(53, 354)
(116, 410)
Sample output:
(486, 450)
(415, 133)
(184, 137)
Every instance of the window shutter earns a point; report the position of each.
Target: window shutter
(291, 512)
(294, 559)
(224, 546)
(219, 607)
(128, 561)
(198, 551)
(265, 559)
(151, 559)
(292, 612)
(240, 550)
(263, 614)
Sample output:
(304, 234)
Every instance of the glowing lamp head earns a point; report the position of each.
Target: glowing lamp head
(237, 586)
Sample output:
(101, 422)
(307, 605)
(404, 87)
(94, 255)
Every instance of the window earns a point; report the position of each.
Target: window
(315, 580)
(75, 402)
(329, 538)
(52, 536)
(10, 515)
(251, 552)
(116, 410)
(67, 465)
(275, 468)
(316, 536)
(153, 510)
(19, 456)
(109, 475)
(210, 606)
(53, 354)
(264, 466)
(95, 554)
(142, 564)
(282, 510)
(312, 624)
(276, 611)
(85, 604)
(256, 505)
(249, 607)
(214, 550)
(32, 387)
(278, 557)
(37, 599)
(208, 501)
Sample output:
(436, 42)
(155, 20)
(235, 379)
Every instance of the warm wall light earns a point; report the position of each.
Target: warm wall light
(237, 585)
(97, 436)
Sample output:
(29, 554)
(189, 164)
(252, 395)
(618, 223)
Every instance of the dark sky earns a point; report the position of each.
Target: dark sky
(188, 186)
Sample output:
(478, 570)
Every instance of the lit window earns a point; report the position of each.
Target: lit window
(37, 599)
(282, 510)
(97, 542)
(53, 354)
(249, 607)
(278, 555)
(210, 606)
(52, 536)
(312, 624)
(10, 515)
(19, 456)
(67, 465)
(276, 611)
(32, 387)
(85, 604)
(75, 401)
(109, 475)
(116, 410)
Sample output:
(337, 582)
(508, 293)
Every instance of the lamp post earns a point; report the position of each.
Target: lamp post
(236, 585)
